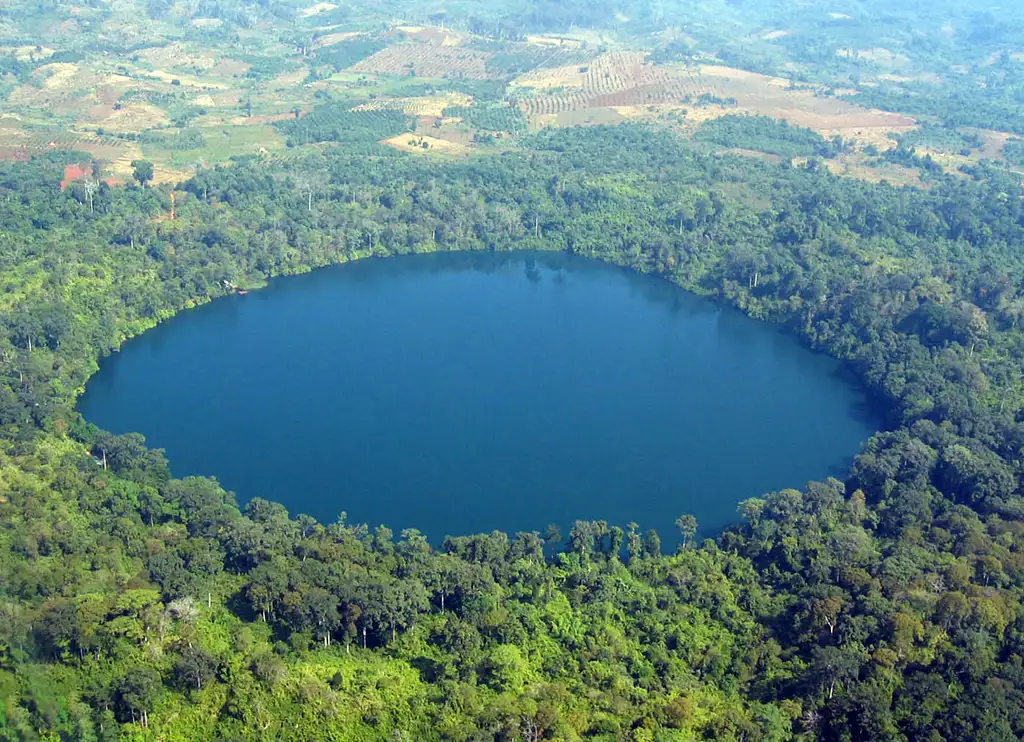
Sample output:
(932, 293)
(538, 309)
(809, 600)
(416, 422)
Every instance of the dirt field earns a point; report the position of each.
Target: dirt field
(462, 135)
(73, 173)
(260, 120)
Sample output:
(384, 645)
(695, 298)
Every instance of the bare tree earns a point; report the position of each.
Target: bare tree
(90, 186)
(509, 217)
(310, 181)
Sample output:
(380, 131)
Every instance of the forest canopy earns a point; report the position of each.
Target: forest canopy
(884, 604)
(108, 560)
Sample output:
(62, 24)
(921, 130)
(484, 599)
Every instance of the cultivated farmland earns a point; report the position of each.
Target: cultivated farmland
(427, 60)
(626, 80)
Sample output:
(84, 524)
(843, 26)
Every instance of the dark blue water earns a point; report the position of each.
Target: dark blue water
(461, 393)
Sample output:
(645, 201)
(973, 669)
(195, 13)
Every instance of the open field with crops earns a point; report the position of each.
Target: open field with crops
(632, 86)
(178, 100)
(427, 60)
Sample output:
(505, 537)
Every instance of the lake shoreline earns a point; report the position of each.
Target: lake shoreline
(662, 297)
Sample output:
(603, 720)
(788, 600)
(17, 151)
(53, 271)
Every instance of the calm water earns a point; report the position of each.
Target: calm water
(461, 393)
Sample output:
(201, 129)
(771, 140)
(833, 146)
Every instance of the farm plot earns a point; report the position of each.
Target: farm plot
(21, 145)
(338, 122)
(582, 117)
(461, 135)
(615, 79)
(624, 80)
(607, 73)
(490, 117)
(426, 106)
(512, 59)
(427, 60)
(771, 96)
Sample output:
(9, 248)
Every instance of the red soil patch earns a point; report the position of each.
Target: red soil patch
(73, 173)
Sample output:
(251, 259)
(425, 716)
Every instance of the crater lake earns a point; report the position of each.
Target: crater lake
(461, 393)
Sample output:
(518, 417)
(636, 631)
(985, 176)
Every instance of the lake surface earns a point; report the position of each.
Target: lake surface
(462, 393)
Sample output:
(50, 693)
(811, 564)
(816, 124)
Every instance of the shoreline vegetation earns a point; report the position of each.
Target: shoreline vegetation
(350, 341)
(142, 605)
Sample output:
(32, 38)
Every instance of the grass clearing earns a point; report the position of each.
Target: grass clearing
(861, 167)
(134, 118)
(882, 137)
(337, 38)
(184, 80)
(58, 75)
(559, 41)
(878, 55)
(317, 9)
(223, 143)
(424, 144)
(178, 55)
(992, 143)
(27, 53)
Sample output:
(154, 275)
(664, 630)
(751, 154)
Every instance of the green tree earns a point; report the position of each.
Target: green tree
(193, 667)
(687, 525)
(142, 171)
(137, 694)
